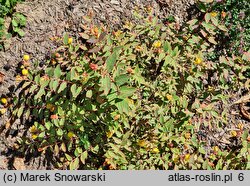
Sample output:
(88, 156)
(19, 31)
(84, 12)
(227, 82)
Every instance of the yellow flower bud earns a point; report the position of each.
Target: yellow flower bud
(233, 133)
(240, 126)
(216, 148)
(25, 72)
(141, 143)
(198, 61)
(4, 101)
(157, 44)
(70, 40)
(2, 111)
(26, 57)
(70, 134)
(34, 136)
(33, 129)
(213, 14)
(169, 97)
(155, 150)
(109, 134)
(187, 157)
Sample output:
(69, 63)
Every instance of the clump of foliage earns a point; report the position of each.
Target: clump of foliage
(236, 17)
(17, 20)
(133, 98)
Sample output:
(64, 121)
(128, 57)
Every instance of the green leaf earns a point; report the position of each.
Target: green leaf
(40, 93)
(77, 151)
(84, 156)
(14, 23)
(66, 38)
(48, 125)
(59, 132)
(223, 28)
(126, 91)
(121, 79)
(212, 40)
(62, 87)
(74, 164)
(57, 72)
(53, 85)
(167, 47)
(89, 93)
(214, 21)
(63, 147)
(110, 62)
(123, 107)
(56, 150)
(21, 32)
(75, 90)
(207, 17)
(69, 158)
(125, 138)
(106, 84)
(20, 111)
(202, 150)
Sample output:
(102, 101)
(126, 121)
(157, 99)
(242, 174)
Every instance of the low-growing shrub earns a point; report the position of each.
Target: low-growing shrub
(18, 20)
(235, 16)
(133, 98)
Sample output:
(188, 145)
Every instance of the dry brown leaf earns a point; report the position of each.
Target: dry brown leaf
(1, 77)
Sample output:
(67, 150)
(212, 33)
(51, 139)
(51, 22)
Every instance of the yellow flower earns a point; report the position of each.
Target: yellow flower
(26, 57)
(33, 129)
(155, 150)
(233, 133)
(169, 97)
(187, 135)
(216, 148)
(210, 89)
(109, 134)
(213, 14)
(187, 157)
(2, 111)
(198, 61)
(25, 72)
(34, 136)
(157, 44)
(70, 134)
(175, 158)
(70, 40)
(4, 101)
(240, 126)
(141, 143)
